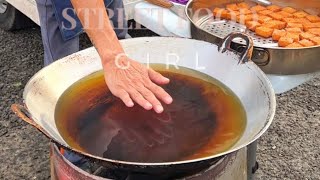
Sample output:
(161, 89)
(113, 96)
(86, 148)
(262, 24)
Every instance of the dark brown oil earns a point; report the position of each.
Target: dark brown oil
(204, 119)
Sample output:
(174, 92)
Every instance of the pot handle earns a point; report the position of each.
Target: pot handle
(162, 3)
(226, 45)
(260, 56)
(263, 2)
(23, 113)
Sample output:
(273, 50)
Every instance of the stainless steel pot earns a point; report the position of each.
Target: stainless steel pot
(266, 54)
(245, 79)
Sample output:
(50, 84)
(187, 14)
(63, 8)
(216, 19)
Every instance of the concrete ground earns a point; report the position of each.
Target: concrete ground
(289, 150)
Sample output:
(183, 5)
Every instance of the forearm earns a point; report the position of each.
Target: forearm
(95, 21)
(135, 82)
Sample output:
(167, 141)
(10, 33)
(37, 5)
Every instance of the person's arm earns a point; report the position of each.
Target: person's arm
(136, 83)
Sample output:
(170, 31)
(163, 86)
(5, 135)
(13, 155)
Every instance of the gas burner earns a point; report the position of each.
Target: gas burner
(226, 167)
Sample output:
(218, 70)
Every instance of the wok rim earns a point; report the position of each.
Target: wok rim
(271, 115)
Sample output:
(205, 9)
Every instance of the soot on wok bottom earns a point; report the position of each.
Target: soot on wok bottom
(205, 118)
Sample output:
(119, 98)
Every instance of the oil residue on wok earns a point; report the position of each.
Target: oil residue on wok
(204, 119)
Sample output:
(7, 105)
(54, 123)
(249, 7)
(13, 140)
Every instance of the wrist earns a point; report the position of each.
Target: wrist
(119, 60)
(108, 53)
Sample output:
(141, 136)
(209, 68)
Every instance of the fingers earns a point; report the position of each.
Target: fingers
(137, 97)
(141, 95)
(124, 96)
(138, 85)
(160, 93)
(149, 96)
(157, 77)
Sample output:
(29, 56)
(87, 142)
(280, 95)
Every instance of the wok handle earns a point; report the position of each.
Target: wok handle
(162, 3)
(246, 55)
(23, 113)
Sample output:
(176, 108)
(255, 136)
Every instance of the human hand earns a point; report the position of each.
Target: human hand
(131, 81)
